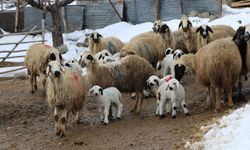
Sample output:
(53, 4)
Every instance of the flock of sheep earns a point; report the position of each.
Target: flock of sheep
(150, 64)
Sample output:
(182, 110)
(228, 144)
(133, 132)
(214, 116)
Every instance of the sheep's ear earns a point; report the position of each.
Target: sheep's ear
(91, 35)
(99, 35)
(209, 29)
(164, 28)
(100, 57)
(60, 57)
(198, 29)
(190, 23)
(48, 69)
(91, 91)
(90, 57)
(101, 91)
(174, 55)
(52, 56)
(158, 66)
(180, 24)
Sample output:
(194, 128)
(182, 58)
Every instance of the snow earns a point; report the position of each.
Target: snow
(232, 132)
(122, 30)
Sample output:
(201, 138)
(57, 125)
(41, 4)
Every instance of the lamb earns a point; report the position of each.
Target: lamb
(108, 97)
(128, 74)
(102, 54)
(36, 60)
(167, 64)
(65, 93)
(174, 91)
(206, 34)
(217, 66)
(74, 66)
(97, 43)
(154, 82)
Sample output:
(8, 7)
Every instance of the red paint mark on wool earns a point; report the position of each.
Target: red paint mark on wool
(75, 77)
(168, 78)
(48, 46)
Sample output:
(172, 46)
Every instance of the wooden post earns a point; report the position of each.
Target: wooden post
(17, 16)
(218, 8)
(43, 27)
(64, 19)
(181, 6)
(157, 10)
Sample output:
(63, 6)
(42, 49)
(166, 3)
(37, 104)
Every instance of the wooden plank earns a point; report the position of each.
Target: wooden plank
(12, 57)
(240, 4)
(17, 51)
(23, 33)
(10, 64)
(13, 70)
(11, 43)
(17, 15)
(18, 44)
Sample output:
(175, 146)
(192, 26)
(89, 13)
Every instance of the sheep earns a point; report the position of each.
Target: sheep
(65, 93)
(109, 97)
(167, 64)
(36, 60)
(154, 82)
(175, 91)
(97, 43)
(206, 34)
(217, 66)
(128, 74)
(179, 41)
(74, 66)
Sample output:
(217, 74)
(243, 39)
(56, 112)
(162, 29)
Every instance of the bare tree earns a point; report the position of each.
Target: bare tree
(53, 8)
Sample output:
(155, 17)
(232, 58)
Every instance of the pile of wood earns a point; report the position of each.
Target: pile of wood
(240, 3)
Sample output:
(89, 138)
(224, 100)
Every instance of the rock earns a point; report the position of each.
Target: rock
(63, 49)
(203, 15)
(193, 13)
(212, 17)
(21, 75)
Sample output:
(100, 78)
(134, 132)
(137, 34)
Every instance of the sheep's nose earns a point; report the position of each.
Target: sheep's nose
(204, 35)
(96, 94)
(57, 73)
(67, 64)
(95, 40)
(170, 88)
(151, 84)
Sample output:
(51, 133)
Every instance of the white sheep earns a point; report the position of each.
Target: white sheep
(73, 65)
(36, 60)
(65, 93)
(109, 97)
(173, 91)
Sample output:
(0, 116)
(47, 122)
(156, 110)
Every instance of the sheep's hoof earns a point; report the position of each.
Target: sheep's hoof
(119, 118)
(162, 116)
(132, 97)
(78, 122)
(156, 114)
(105, 123)
(174, 117)
(32, 91)
(187, 114)
(35, 86)
(62, 135)
(146, 97)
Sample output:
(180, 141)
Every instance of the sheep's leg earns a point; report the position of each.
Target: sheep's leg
(106, 114)
(31, 83)
(230, 98)
(174, 109)
(168, 107)
(184, 106)
(209, 102)
(120, 108)
(157, 108)
(139, 106)
(43, 84)
(218, 97)
(77, 117)
(114, 110)
(161, 107)
(135, 103)
(35, 82)
(101, 114)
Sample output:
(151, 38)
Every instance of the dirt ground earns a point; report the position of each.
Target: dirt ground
(26, 122)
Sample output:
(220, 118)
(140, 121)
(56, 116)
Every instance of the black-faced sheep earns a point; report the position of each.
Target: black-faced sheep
(217, 66)
(128, 74)
(206, 34)
(97, 43)
(36, 60)
(109, 97)
(65, 93)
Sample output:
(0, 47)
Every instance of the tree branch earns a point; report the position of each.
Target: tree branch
(63, 3)
(39, 5)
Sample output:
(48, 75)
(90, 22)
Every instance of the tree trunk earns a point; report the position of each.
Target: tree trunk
(56, 28)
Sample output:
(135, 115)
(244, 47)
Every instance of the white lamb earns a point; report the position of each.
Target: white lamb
(167, 64)
(174, 92)
(73, 65)
(108, 97)
(154, 82)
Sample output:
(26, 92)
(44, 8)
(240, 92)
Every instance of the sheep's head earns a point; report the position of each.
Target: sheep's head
(179, 70)
(172, 84)
(54, 69)
(96, 90)
(71, 63)
(204, 30)
(54, 55)
(239, 35)
(185, 24)
(60, 118)
(86, 58)
(153, 81)
(157, 25)
(95, 36)
(108, 59)
(177, 54)
(164, 28)
(169, 51)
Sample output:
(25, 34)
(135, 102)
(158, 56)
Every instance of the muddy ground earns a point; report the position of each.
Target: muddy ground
(26, 122)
